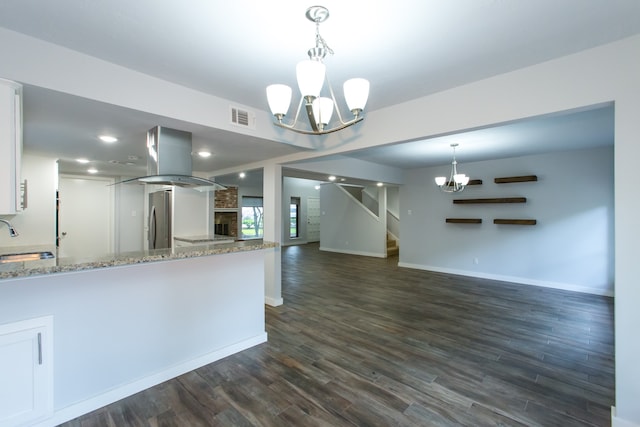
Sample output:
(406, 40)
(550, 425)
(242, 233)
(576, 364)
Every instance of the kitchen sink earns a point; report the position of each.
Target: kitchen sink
(26, 256)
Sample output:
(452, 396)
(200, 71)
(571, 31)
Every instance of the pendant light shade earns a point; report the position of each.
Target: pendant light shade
(279, 98)
(356, 93)
(440, 180)
(310, 75)
(461, 178)
(322, 111)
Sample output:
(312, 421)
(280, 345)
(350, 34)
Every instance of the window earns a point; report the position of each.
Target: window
(252, 217)
(294, 215)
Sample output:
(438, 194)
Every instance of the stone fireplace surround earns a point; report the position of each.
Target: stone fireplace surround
(225, 218)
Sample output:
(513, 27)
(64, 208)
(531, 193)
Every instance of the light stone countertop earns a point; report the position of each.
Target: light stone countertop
(13, 270)
(204, 238)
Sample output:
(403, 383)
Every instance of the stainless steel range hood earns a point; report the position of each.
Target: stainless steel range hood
(169, 161)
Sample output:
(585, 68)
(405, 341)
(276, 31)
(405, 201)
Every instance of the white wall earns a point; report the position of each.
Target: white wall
(570, 247)
(347, 226)
(130, 217)
(393, 200)
(36, 224)
(369, 196)
(304, 189)
(393, 212)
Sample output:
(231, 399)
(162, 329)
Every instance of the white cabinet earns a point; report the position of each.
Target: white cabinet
(10, 147)
(26, 388)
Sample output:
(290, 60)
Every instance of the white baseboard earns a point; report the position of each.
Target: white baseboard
(346, 251)
(104, 399)
(619, 422)
(273, 302)
(512, 279)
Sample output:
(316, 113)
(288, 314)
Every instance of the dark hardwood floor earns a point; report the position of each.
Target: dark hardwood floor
(362, 342)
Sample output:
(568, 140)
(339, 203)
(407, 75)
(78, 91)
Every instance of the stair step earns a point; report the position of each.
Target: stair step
(392, 246)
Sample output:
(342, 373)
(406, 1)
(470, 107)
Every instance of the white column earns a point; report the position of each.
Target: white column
(627, 236)
(272, 201)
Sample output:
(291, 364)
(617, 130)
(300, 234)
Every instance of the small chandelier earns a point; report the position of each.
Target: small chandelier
(457, 181)
(311, 75)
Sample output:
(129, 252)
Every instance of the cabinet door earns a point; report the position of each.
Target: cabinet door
(26, 392)
(10, 147)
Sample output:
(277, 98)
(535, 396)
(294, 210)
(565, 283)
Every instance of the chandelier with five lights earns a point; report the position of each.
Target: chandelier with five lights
(311, 75)
(457, 181)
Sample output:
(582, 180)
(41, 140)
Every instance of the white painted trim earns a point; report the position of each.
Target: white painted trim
(344, 251)
(358, 202)
(619, 422)
(273, 302)
(89, 405)
(513, 279)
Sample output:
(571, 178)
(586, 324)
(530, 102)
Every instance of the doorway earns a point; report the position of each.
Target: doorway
(313, 219)
(85, 216)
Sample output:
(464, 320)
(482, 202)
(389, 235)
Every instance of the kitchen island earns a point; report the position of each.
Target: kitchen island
(123, 323)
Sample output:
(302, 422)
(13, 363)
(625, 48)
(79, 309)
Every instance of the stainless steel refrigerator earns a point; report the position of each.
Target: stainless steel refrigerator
(160, 220)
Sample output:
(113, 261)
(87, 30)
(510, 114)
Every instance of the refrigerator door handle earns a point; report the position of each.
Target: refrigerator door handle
(152, 228)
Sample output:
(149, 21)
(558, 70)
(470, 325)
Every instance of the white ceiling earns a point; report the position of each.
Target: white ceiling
(407, 49)
(68, 126)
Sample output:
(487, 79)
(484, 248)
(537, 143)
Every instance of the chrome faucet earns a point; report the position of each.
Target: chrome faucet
(12, 231)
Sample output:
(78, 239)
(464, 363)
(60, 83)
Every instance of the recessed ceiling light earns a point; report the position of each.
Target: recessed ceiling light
(204, 154)
(379, 184)
(108, 138)
(92, 170)
(83, 161)
(242, 174)
(332, 178)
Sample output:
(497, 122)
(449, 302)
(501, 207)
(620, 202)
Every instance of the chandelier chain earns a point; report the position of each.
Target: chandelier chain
(320, 41)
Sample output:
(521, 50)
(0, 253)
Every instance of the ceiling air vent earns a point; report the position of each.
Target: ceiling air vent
(243, 118)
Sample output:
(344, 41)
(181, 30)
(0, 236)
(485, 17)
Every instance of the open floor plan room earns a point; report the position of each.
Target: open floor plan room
(360, 341)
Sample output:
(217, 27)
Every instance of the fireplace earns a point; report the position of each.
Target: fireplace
(226, 224)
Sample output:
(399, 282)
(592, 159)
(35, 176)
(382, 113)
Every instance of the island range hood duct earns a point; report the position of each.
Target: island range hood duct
(169, 161)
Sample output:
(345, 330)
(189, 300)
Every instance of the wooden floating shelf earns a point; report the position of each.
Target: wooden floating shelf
(464, 220)
(515, 221)
(509, 179)
(494, 200)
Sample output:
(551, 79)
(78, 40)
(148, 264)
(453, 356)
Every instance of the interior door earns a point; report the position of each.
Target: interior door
(313, 219)
(85, 216)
